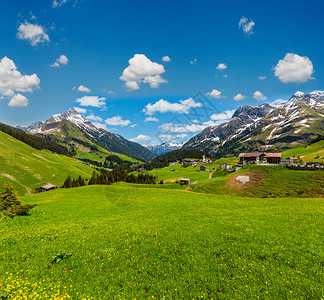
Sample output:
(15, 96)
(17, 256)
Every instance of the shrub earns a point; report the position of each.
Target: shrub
(10, 205)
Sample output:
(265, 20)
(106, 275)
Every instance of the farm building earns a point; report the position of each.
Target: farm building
(45, 188)
(203, 168)
(259, 158)
(185, 181)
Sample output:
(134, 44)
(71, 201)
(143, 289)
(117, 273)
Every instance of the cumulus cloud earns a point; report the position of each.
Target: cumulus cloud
(94, 101)
(62, 60)
(224, 116)
(294, 68)
(246, 25)
(18, 100)
(259, 96)
(215, 94)
(221, 66)
(192, 62)
(100, 125)
(117, 121)
(166, 59)
(170, 127)
(140, 138)
(83, 88)
(12, 81)
(80, 110)
(262, 77)
(58, 3)
(151, 119)
(33, 33)
(239, 97)
(141, 69)
(94, 118)
(163, 106)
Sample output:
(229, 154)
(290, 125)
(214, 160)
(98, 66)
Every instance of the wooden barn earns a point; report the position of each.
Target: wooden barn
(45, 188)
(185, 181)
(203, 168)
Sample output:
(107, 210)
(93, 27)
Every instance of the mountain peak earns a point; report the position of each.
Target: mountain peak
(73, 116)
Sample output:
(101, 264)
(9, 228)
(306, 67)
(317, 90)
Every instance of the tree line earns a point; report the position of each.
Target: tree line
(105, 177)
(36, 142)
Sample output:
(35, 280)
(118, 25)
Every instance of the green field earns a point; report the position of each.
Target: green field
(28, 168)
(131, 243)
(266, 181)
(179, 172)
(308, 153)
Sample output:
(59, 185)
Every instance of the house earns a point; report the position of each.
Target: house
(141, 170)
(185, 181)
(259, 158)
(203, 168)
(45, 188)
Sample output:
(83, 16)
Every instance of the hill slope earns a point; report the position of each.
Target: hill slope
(28, 168)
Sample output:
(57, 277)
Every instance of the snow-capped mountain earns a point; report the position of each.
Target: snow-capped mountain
(267, 126)
(75, 130)
(33, 127)
(71, 115)
(164, 147)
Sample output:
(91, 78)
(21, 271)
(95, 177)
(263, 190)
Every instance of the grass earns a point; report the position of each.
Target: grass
(266, 181)
(114, 242)
(308, 153)
(28, 168)
(179, 172)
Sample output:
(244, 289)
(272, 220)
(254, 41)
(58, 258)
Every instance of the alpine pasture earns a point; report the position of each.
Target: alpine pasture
(126, 242)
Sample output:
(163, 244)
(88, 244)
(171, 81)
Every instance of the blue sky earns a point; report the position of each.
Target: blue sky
(114, 49)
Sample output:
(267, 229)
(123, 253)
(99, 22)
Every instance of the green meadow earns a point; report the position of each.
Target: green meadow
(123, 242)
(308, 153)
(27, 168)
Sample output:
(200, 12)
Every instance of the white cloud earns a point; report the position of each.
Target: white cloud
(225, 76)
(62, 60)
(18, 100)
(100, 125)
(166, 59)
(181, 136)
(92, 117)
(164, 106)
(262, 77)
(83, 88)
(133, 125)
(154, 81)
(140, 138)
(215, 94)
(94, 101)
(259, 96)
(151, 119)
(141, 69)
(117, 121)
(170, 127)
(221, 66)
(80, 110)
(294, 68)
(192, 62)
(239, 97)
(58, 3)
(12, 81)
(224, 116)
(33, 33)
(246, 25)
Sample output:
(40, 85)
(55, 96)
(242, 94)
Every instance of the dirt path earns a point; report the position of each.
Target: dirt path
(211, 175)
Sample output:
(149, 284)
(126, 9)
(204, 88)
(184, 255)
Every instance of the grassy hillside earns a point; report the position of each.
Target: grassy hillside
(308, 153)
(110, 242)
(28, 168)
(266, 181)
(179, 172)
